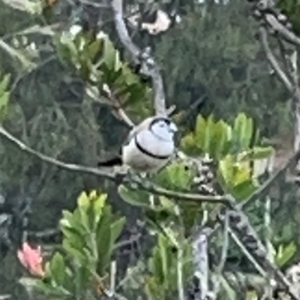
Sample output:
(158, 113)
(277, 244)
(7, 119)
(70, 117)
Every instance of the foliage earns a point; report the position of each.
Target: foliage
(64, 91)
(89, 236)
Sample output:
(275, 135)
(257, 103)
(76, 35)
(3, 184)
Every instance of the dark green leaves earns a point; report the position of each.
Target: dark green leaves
(98, 63)
(165, 263)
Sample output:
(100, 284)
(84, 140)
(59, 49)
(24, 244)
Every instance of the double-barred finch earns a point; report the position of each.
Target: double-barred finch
(149, 146)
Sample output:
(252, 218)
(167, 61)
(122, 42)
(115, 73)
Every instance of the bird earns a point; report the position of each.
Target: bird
(149, 146)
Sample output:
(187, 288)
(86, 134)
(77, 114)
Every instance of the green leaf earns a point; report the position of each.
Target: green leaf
(225, 170)
(285, 253)
(188, 145)
(236, 177)
(93, 49)
(133, 197)
(176, 176)
(76, 254)
(219, 140)
(74, 237)
(243, 190)
(200, 132)
(83, 201)
(83, 208)
(58, 269)
(109, 54)
(208, 134)
(116, 229)
(243, 131)
(72, 220)
(103, 238)
(4, 84)
(98, 204)
(261, 152)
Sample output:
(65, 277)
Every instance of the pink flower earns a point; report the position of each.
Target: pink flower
(32, 259)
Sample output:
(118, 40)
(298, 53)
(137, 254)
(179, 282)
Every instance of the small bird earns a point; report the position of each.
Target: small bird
(149, 146)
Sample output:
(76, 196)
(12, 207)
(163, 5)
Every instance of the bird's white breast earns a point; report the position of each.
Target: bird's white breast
(133, 156)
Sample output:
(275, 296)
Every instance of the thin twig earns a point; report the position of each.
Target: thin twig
(141, 58)
(115, 176)
(117, 106)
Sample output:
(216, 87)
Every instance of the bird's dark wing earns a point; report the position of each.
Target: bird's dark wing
(113, 160)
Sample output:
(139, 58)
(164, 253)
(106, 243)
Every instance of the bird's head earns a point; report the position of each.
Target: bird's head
(163, 128)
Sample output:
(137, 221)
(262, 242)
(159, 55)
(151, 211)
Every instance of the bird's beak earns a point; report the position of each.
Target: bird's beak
(173, 128)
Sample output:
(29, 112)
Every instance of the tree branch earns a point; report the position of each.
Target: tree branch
(141, 58)
(273, 61)
(274, 20)
(116, 176)
(265, 187)
(285, 33)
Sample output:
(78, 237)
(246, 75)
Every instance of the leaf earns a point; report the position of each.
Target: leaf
(188, 145)
(83, 208)
(225, 170)
(218, 140)
(76, 254)
(98, 204)
(285, 253)
(4, 84)
(261, 152)
(109, 54)
(72, 220)
(243, 130)
(208, 134)
(133, 197)
(58, 269)
(83, 201)
(176, 176)
(243, 190)
(74, 237)
(93, 49)
(116, 229)
(103, 240)
(200, 132)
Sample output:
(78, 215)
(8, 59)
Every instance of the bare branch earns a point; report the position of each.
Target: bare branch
(53, 161)
(272, 17)
(141, 58)
(116, 176)
(287, 34)
(201, 266)
(273, 61)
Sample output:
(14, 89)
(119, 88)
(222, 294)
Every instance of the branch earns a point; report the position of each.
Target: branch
(117, 107)
(265, 10)
(201, 264)
(141, 58)
(273, 61)
(265, 187)
(287, 34)
(116, 176)
(261, 191)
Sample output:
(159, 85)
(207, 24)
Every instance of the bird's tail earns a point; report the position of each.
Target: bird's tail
(115, 161)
